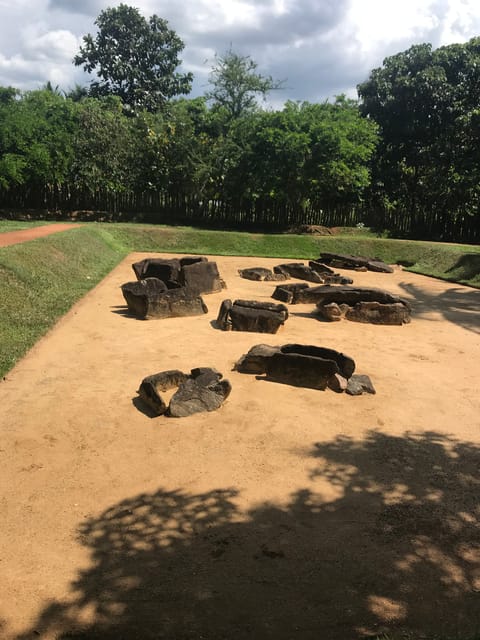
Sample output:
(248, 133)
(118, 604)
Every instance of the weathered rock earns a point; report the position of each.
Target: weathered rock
(260, 317)
(223, 318)
(150, 298)
(300, 370)
(166, 270)
(298, 270)
(359, 384)
(288, 292)
(202, 390)
(150, 387)
(352, 295)
(295, 364)
(359, 304)
(320, 268)
(207, 392)
(187, 260)
(337, 383)
(377, 313)
(255, 361)
(345, 364)
(201, 277)
(346, 261)
(260, 273)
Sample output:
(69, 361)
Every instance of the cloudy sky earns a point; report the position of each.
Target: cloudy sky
(321, 48)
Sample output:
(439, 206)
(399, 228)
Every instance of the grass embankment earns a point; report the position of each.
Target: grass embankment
(42, 279)
(456, 263)
(19, 225)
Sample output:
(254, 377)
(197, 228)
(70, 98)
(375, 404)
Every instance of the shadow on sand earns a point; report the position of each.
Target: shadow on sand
(397, 552)
(460, 306)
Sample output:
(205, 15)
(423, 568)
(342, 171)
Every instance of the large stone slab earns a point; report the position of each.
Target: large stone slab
(251, 315)
(359, 263)
(260, 273)
(299, 270)
(150, 298)
(361, 304)
(201, 277)
(296, 364)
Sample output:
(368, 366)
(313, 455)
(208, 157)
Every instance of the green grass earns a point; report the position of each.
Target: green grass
(19, 225)
(41, 279)
(456, 263)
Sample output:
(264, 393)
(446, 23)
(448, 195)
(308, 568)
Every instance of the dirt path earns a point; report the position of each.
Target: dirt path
(289, 513)
(24, 235)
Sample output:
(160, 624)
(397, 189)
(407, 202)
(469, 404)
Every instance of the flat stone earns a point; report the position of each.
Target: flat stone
(261, 273)
(359, 384)
(300, 370)
(196, 395)
(347, 261)
(377, 313)
(255, 361)
(299, 270)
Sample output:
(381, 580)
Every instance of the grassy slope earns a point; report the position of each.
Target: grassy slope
(457, 263)
(40, 280)
(18, 225)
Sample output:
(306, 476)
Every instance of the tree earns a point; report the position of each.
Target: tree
(134, 59)
(427, 104)
(236, 85)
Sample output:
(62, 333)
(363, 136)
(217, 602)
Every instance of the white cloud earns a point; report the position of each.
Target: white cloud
(322, 47)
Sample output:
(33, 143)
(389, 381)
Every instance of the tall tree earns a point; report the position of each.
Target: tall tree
(134, 58)
(236, 84)
(427, 104)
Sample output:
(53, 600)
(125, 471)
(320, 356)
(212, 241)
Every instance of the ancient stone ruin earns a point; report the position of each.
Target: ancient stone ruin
(150, 298)
(201, 390)
(250, 315)
(305, 366)
(261, 273)
(314, 272)
(171, 288)
(358, 263)
(195, 273)
(359, 304)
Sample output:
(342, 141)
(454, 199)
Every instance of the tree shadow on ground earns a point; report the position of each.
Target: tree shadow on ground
(397, 551)
(460, 306)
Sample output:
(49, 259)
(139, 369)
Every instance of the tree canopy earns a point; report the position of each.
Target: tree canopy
(134, 58)
(427, 105)
(236, 84)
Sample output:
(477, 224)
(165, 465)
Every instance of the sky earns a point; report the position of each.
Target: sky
(319, 48)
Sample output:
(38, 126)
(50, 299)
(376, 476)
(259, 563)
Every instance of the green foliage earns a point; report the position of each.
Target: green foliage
(426, 103)
(41, 280)
(104, 146)
(36, 138)
(236, 84)
(134, 59)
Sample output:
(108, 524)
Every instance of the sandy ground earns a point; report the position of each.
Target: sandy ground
(8, 238)
(288, 513)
